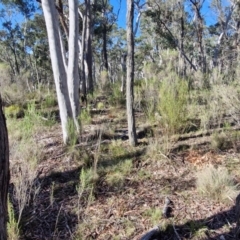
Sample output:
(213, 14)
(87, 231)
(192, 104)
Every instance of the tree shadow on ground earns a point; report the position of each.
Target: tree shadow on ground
(218, 226)
(52, 210)
(49, 214)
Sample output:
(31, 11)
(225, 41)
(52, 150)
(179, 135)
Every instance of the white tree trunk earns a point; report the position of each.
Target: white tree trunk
(130, 74)
(72, 73)
(60, 77)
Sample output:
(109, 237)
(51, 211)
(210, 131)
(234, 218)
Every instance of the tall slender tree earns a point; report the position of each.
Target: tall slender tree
(130, 74)
(65, 79)
(4, 174)
(88, 46)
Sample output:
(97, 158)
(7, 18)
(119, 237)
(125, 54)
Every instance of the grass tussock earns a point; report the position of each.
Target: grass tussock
(216, 183)
(173, 105)
(14, 111)
(154, 214)
(117, 174)
(26, 157)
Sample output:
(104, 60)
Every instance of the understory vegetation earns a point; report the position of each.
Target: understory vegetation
(99, 187)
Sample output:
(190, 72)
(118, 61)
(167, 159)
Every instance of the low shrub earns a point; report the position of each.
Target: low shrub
(14, 111)
(173, 105)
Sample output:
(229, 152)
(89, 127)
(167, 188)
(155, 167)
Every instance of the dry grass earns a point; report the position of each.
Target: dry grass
(216, 183)
(26, 157)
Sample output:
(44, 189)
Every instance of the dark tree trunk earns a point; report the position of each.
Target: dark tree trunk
(89, 45)
(4, 174)
(104, 50)
(130, 75)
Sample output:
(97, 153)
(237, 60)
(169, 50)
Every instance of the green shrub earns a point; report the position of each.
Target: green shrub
(85, 116)
(100, 106)
(49, 101)
(118, 173)
(173, 105)
(14, 111)
(117, 98)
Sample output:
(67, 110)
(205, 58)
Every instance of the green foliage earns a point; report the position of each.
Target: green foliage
(86, 185)
(173, 105)
(12, 225)
(49, 101)
(33, 118)
(72, 133)
(116, 148)
(118, 173)
(216, 183)
(14, 111)
(198, 230)
(155, 215)
(85, 116)
(100, 105)
(117, 98)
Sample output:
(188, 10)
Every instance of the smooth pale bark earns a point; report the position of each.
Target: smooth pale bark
(60, 76)
(63, 50)
(4, 174)
(72, 73)
(130, 75)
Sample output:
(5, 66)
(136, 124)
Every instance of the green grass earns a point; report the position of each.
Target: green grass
(14, 111)
(85, 117)
(116, 175)
(116, 98)
(12, 225)
(173, 105)
(154, 215)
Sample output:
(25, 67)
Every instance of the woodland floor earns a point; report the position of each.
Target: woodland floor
(123, 212)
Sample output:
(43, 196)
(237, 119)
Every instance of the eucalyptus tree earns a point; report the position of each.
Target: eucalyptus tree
(225, 33)
(198, 22)
(130, 74)
(16, 40)
(10, 38)
(104, 23)
(65, 75)
(171, 32)
(37, 46)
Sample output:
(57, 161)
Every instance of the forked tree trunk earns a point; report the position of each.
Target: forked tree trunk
(130, 75)
(66, 80)
(4, 174)
(59, 71)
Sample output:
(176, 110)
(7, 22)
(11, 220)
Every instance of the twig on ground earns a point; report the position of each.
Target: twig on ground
(177, 235)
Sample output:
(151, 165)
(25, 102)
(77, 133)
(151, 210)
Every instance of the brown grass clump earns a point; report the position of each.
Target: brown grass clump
(216, 183)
